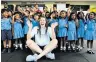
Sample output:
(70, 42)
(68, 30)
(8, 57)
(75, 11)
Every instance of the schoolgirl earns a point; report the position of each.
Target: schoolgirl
(18, 30)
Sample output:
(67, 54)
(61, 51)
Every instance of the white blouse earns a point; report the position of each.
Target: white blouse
(44, 38)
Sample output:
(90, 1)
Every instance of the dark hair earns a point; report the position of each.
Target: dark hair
(79, 14)
(18, 13)
(54, 12)
(61, 13)
(46, 25)
(91, 13)
(4, 10)
(28, 11)
(70, 17)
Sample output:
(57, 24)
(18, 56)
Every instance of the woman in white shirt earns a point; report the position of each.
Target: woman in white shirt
(42, 34)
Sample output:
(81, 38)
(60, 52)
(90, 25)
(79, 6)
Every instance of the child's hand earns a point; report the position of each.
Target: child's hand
(54, 25)
(29, 24)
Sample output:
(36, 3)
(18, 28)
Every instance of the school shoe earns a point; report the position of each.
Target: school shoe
(16, 46)
(64, 49)
(89, 51)
(69, 48)
(4, 50)
(31, 57)
(92, 52)
(9, 50)
(20, 45)
(50, 56)
(61, 48)
(77, 48)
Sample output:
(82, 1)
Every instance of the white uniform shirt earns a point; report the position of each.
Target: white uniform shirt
(44, 39)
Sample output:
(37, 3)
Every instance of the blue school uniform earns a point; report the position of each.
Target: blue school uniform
(72, 30)
(6, 29)
(6, 24)
(81, 30)
(25, 28)
(89, 33)
(62, 30)
(35, 23)
(18, 31)
(95, 31)
(52, 21)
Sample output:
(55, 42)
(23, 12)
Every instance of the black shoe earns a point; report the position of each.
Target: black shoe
(89, 51)
(9, 50)
(92, 52)
(4, 50)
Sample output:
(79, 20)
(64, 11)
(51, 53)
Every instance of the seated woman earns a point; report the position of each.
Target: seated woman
(42, 35)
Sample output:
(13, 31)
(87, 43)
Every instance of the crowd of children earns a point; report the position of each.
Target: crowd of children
(73, 28)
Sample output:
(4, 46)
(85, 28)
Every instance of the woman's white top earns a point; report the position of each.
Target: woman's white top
(44, 38)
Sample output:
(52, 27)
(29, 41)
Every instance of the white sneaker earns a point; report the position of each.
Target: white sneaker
(20, 45)
(50, 55)
(61, 48)
(16, 46)
(31, 57)
(64, 48)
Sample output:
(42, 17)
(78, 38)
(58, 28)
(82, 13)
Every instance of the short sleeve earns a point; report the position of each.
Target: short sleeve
(34, 31)
(10, 19)
(50, 32)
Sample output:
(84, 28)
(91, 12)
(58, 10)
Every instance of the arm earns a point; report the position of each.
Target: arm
(13, 19)
(68, 11)
(53, 30)
(29, 31)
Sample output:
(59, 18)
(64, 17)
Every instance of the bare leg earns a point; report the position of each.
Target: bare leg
(4, 43)
(52, 45)
(9, 43)
(33, 46)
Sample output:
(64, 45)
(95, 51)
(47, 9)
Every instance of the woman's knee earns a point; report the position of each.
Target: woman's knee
(55, 41)
(28, 42)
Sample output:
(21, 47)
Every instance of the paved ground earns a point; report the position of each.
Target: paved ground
(19, 56)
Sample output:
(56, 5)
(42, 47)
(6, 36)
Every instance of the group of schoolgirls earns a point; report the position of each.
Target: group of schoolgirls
(73, 28)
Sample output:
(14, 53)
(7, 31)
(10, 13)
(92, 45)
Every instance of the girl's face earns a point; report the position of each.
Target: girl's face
(91, 16)
(10, 14)
(42, 21)
(73, 16)
(36, 17)
(47, 14)
(63, 14)
(17, 16)
(81, 15)
(53, 15)
(26, 13)
(5, 14)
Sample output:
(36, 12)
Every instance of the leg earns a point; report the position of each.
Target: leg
(61, 43)
(82, 42)
(52, 45)
(9, 43)
(88, 41)
(4, 43)
(20, 44)
(64, 40)
(16, 44)
(33, 46)
(9, 48)
(91, 44)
